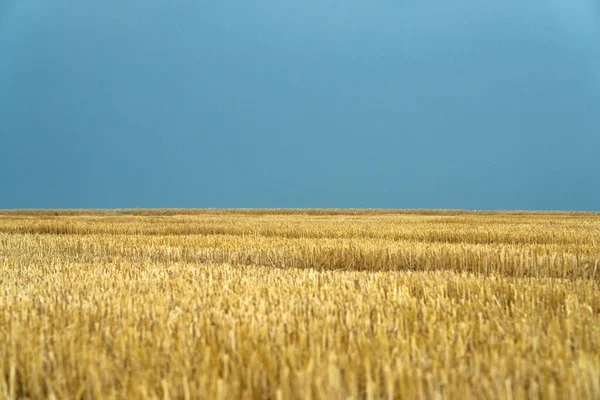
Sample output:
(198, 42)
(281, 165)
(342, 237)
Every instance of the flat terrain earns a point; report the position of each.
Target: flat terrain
(322, 304)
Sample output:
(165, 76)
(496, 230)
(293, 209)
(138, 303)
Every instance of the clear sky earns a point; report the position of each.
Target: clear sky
(474, 104)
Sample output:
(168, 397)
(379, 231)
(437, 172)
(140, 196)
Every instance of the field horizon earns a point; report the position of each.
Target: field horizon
(283, 210)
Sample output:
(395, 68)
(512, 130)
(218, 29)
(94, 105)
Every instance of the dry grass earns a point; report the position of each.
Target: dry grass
(321, 304)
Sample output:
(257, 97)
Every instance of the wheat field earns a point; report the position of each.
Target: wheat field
(299, 304)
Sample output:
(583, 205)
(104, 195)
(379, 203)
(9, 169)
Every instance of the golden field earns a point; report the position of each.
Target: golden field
(299, 304)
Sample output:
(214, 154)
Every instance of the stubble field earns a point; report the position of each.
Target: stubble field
(299, 304)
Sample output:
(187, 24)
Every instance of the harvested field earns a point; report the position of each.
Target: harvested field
(298, 304)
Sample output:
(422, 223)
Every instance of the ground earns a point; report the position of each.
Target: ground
(320, 304)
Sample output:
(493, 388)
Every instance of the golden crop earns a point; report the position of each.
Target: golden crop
(322, 304)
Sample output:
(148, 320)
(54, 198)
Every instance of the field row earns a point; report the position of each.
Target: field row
(569, 262)
(471, 229)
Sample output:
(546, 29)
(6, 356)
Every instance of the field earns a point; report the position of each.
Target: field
(304, 304)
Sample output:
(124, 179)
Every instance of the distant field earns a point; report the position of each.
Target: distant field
(321, 304)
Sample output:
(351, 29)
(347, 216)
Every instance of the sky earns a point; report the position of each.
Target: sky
(471, 104)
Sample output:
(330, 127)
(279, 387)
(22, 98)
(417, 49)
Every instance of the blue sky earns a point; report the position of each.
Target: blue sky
(312, 103)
